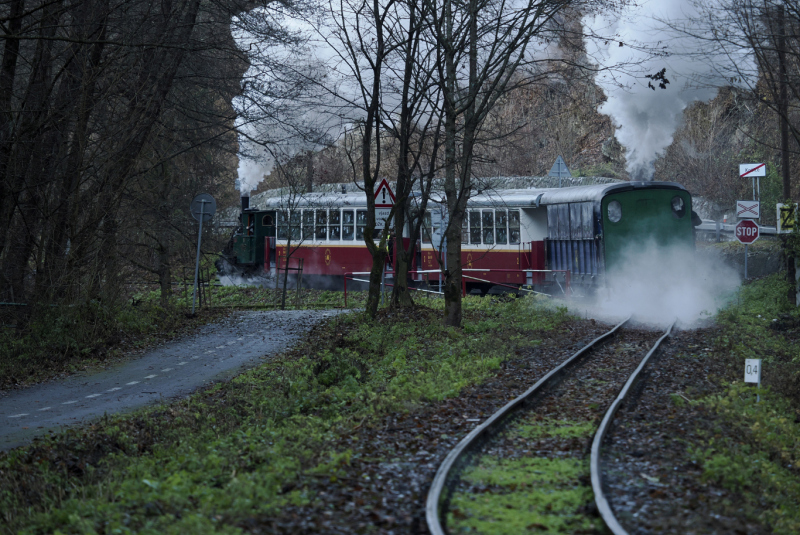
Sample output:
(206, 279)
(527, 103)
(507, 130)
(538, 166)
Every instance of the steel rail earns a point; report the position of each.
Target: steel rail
(432, 504)
(597, 484)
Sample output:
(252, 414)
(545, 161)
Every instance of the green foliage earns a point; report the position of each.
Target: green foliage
(771, 193)
(604, 169)
(78, 335)
(760, 458)
(556, 428)
(62, 338)
(758, 452)
(750, 316)
(243, 448)
(521, 495)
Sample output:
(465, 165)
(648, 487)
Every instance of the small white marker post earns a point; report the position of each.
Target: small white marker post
(752, 373)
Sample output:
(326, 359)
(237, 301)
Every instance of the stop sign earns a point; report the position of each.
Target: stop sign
(746, 231)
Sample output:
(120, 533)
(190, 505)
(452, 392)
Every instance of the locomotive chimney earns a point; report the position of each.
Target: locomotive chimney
(245, 200)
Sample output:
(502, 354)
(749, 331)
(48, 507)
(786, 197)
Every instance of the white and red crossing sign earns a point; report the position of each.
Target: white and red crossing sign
(747, 231)
(752, 169)
(748, 209)
(384, 200)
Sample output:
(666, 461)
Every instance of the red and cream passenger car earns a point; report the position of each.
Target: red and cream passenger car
(504, 237)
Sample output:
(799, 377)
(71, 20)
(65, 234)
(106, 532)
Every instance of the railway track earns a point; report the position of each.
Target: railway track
(535, 463)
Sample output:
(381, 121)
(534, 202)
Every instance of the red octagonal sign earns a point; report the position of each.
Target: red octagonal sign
(747, 231)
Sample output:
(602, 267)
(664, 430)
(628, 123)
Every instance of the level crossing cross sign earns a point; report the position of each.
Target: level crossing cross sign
(748, 209)
(747, 231)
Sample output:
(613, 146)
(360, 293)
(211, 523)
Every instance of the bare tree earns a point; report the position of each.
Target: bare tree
(415, 125)
(360, 35)
(756, 45)
(482, 44)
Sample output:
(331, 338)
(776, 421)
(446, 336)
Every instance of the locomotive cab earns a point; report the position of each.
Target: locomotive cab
(254, 241)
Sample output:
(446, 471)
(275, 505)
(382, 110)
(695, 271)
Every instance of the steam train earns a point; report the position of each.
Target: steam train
(510, 237)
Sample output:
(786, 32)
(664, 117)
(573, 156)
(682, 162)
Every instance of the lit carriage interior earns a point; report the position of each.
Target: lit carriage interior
(509, 237)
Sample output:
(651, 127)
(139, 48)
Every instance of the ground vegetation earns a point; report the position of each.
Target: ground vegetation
(250, 454)
(344, 433)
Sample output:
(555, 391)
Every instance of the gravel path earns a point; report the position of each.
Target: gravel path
(218, 351)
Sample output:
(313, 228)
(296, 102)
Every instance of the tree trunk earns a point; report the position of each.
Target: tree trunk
(374, 294)
(164, 273)
(7, 76)
(286, 267)
(452, 281)
(401, 296)
(77, 96)
(783, 116)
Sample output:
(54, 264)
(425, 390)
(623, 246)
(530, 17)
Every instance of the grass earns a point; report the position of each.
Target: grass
(754, 450)
(77, 336)
(517, 495)
(243, 449)
(524, 495)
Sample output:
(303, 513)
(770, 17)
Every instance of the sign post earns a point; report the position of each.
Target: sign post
(753, 170)
(384, 201)
(203, 207)
(752, 373)
(746, 231)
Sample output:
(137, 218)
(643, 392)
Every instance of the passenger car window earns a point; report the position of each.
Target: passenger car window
(294, 224)
(321, 232)
(475, 227)
(308, 224)
(513, 227)
(487, 222)
(575, 223)
(348, 225)
(501, 226)
(283, 226)
(361, 223)
(426, 227)
(586, 218)
(334, 222)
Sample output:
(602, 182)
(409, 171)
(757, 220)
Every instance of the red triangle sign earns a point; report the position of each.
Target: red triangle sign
(384, 197)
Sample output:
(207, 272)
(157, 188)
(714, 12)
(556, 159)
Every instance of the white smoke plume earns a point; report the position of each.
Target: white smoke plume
(251, 172)
(646, 118)
(661, 284)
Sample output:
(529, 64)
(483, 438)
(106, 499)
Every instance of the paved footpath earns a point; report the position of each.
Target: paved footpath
(174, 369)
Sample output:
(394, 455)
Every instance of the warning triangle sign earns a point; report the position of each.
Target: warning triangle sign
(560, 169)
(384, 196)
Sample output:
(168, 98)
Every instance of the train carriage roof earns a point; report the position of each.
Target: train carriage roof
(487, 198)
(545, 196)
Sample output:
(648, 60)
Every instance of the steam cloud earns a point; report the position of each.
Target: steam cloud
(660, 284)
(251, 172)
(646, 119)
